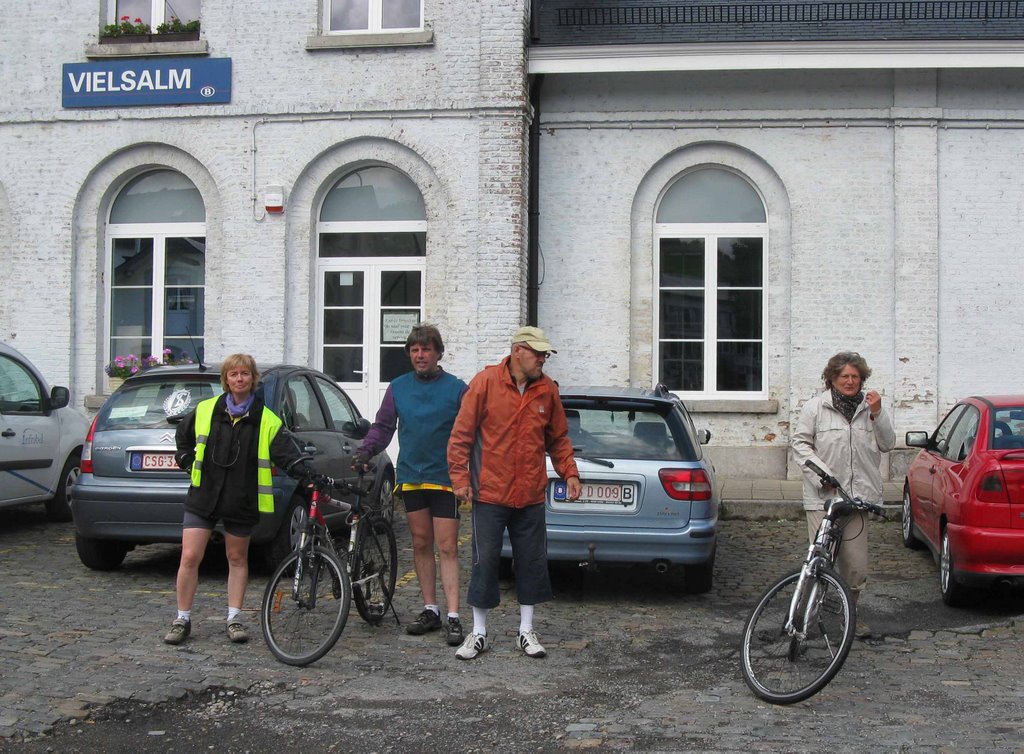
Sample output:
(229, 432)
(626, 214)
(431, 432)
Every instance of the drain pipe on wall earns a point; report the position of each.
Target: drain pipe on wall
(533, 205)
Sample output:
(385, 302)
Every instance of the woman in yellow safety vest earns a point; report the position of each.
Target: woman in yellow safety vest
(228, 443)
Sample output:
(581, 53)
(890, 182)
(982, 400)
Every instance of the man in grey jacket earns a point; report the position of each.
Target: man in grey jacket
(844, 431)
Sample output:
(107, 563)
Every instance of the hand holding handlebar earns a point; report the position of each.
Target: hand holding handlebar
(830, 481)
(825, 476)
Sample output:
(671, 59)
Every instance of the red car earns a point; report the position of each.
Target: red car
(964, 495)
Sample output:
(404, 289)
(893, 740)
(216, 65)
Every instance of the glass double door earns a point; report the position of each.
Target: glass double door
(365, 314)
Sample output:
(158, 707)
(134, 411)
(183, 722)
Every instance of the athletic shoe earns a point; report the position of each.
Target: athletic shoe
(474, 645)
(529, 643)
(180, 630)
(862, 630)
(237, 632)
(455, 636)
(425, 622)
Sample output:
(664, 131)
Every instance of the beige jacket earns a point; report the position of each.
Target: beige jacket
(849, 451)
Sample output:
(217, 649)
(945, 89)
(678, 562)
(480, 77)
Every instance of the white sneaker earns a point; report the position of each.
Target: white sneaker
(529, 643)
(474, 645)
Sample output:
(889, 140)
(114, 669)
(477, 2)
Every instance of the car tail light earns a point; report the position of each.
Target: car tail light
(86, 464)
(686, 484)
(992, 489)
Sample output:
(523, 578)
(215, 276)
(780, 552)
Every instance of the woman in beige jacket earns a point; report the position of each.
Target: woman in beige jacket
(844, 431)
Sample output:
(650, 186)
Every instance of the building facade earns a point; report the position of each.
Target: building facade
(723, 194)
(362, 172)
(750, 188)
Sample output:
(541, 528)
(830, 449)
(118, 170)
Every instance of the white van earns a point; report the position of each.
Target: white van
(41, 438)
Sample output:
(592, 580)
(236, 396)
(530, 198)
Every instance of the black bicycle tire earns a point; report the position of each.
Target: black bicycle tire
(370, 539)
(279, 588)
(752, 678)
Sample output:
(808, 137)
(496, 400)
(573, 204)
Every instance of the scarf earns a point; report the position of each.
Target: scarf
(238, 410)
(846, 406)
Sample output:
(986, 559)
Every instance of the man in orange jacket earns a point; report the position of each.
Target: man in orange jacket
(510, 416)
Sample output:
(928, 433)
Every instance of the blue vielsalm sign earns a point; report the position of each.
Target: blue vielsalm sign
(131, 83)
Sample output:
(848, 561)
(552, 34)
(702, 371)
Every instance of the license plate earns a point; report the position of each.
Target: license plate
(142, 461)
(612, 493)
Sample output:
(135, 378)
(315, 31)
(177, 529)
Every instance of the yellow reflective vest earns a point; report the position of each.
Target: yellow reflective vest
(270, 425)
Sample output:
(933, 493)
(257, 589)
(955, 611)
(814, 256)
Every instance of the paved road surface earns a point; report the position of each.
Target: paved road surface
(634, 664)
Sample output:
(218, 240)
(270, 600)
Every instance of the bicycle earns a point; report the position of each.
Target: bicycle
(307, 600)
(801, 630)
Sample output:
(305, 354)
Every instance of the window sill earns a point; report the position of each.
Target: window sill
(348, 41)
(731, 406)
(94, 402)
(147, 49)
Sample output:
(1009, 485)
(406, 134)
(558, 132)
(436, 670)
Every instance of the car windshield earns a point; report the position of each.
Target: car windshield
(615, 430)
(1008, 428)
(155, 403)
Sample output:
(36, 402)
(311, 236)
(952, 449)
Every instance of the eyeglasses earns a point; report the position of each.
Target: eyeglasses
(535, 352)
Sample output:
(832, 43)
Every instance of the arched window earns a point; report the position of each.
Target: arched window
(710, 272)
(156, 287)
(372, 238)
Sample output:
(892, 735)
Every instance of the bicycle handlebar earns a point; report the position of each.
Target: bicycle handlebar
(856, 502)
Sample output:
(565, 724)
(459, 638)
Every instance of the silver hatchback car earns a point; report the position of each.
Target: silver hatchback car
(649, 494)
(131, 492)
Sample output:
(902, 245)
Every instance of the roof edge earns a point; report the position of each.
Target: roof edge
(745, 56)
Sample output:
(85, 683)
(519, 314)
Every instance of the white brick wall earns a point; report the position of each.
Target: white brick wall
(882, 213)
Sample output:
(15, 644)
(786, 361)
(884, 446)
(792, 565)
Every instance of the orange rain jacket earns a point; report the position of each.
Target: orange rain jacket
(498, 442)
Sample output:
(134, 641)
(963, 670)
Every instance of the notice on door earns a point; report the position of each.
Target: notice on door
(395, 326)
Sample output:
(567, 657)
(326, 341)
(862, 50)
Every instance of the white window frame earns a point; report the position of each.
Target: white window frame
(375, 21)
(710, 233)
(159, 232)
(156, 13)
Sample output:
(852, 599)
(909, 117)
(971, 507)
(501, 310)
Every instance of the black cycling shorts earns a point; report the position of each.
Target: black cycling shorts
(442, 503)
(235, 529)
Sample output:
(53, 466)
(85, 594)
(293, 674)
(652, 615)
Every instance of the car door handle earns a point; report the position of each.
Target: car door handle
(309, 448)
(9, 433)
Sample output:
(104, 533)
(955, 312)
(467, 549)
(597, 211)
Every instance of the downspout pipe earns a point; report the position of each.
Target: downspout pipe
(533, 204)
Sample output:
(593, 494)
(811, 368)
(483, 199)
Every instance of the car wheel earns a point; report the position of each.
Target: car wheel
(384, 499)
(269, 554)
(58, 508)
(910, 539)
(100, 554)
(953, 593)
(698, 578)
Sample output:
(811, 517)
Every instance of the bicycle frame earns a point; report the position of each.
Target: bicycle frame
(821, 553)
(313, 533)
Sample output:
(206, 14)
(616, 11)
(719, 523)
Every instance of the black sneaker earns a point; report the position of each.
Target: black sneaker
(455, 636)
(427, 621)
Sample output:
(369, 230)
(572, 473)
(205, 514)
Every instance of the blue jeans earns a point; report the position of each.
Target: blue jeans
(528, 535)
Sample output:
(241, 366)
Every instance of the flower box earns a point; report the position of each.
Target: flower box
(127, 39)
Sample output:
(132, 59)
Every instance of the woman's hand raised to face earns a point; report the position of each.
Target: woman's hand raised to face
(874, 401)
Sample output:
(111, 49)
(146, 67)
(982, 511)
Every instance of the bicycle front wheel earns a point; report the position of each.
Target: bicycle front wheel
(374, 569)
(305, 606)
(783, 667)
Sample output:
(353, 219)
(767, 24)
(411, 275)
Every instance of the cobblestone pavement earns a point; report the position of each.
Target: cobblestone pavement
(633, 663)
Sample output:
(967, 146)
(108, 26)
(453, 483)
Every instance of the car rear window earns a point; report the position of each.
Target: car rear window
(1008, 428)
(618, 430)
(155, 403)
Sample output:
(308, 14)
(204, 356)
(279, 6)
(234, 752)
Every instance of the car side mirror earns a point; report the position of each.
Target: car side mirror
(917, 439)
(59, 398)
(703, 436)
(357, 429)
